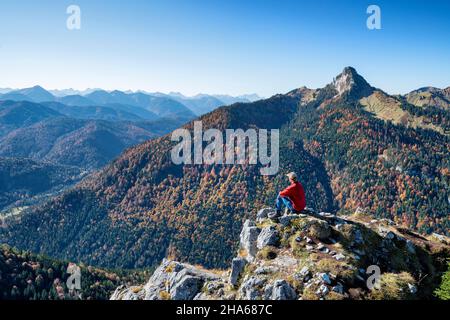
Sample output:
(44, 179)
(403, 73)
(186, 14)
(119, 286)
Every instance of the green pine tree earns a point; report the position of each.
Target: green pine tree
(443, 292)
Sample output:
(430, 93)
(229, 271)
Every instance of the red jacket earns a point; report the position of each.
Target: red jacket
(296, 193)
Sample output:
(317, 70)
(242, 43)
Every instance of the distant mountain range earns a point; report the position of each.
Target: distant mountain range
(162, 105)
(353, 146)
(55, 138)
(84, 130)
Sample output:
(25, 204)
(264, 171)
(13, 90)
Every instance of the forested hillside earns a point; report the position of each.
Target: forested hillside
(142, 207)
(22, 178)
(24, 276)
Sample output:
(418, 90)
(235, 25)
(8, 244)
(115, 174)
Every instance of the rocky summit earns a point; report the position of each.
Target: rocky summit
(311, 256)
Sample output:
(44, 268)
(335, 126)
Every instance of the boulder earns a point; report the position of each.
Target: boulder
(303, 275)
(131, 295)
(279, 290)
(268, 237)
(339, 288)
(237, 266)
(201, 296)
(266, 270)
(324, 277)
(251, 287)
(248, 237)
(304, 271)
(264, 213)
(123, 293)
(322, 290)
(326, 214)
(186, 288)
(273, 215)
(308, 240)
(412, 288)
(213, 286)
(286, 219)
(339, 257)
(176, 280)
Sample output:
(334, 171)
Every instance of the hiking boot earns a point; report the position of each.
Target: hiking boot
(274, 215)
(287, 211)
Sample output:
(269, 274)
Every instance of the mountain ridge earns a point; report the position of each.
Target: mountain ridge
(199, 104)
(145, 205)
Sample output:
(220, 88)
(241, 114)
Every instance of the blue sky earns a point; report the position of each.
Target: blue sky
(234, 47)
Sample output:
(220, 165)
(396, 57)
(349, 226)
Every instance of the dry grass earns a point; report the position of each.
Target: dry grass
(334, 296)
(164, 295)
(267, 253)
(309, 293)
(393, 286)
(338, 268)
(136, 289)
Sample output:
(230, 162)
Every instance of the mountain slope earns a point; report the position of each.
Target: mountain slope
(430, 96)
(85, 143)
(147, 217)
(161, 106)
(14, 115)
(35, 94)
(200, 104)
(75, 100)
(94, 113)
(23, 178)
(346, 158)
(34, 277)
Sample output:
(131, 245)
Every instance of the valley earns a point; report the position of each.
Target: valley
(74, 135)
(142, 207)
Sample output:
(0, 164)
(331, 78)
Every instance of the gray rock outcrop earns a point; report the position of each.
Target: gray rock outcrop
(248, 239)
(279, 290)
(237, 266)
(268, 237)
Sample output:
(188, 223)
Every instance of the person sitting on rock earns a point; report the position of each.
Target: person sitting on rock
(293, 197)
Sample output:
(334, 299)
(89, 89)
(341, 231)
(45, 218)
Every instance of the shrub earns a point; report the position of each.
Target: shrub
(443, 292)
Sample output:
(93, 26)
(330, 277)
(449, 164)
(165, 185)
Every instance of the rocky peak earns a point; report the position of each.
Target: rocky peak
(308, 256)
(351, 83)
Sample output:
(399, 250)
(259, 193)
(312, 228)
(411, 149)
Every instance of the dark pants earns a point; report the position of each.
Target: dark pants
(284, 201)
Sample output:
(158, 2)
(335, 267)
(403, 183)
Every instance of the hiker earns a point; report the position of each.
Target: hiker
(293, 197)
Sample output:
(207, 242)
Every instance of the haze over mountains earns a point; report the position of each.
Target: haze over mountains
(159, 103)
(68, 128)
(353, 146)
